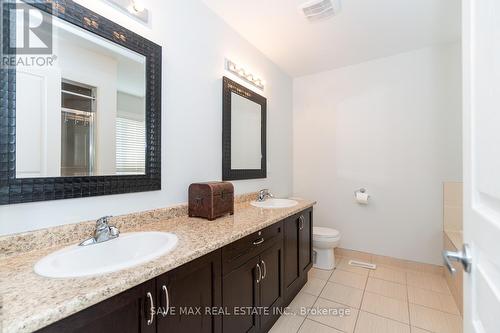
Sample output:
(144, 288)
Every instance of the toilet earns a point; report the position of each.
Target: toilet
(325, 240)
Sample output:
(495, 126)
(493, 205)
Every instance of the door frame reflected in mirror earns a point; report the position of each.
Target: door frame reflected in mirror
(228, 87)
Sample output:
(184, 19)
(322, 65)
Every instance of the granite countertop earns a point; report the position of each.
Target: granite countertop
(29, 302)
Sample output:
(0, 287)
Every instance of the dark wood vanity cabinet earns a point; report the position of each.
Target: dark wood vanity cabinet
(252, 288)
(305, 241)
(190, 296)
(271, 287)
(298, 251)
(239, 288)
(127, 312)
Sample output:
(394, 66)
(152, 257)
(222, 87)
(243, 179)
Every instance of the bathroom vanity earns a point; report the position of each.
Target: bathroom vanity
(213, 292)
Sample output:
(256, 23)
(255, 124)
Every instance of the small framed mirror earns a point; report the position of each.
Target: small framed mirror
(243, 132)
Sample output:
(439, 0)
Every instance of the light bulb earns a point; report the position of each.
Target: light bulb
(137, 7)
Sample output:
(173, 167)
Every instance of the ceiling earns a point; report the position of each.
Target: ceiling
(361, 31)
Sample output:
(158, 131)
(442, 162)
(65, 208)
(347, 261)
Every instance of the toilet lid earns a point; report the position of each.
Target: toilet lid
(325, 232)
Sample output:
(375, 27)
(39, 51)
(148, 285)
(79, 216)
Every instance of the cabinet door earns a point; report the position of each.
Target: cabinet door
(305, 241)
(291, 252)
(271, 284)
(191, 291)
(240, 291)
(128, 312)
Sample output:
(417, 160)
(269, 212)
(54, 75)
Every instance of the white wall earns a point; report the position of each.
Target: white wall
(392, 125)
(195, 42)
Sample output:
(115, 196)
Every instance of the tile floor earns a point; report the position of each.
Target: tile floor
(389, 299)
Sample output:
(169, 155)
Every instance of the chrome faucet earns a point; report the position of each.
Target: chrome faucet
(264, 194)
(103, 232)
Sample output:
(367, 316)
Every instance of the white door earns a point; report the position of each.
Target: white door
(481, 59)
(38, 122)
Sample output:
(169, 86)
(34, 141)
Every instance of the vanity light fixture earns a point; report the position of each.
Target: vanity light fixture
(243, 74)
(134, 8)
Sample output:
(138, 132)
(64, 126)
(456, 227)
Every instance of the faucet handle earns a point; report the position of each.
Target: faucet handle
(263, 194)
(113, 232)
(103, 222)
(103, 232)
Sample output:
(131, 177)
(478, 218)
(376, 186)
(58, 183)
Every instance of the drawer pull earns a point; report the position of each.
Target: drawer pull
(264, 268)
(151, 309)
(259, 276)
(259, 241)
(167, 300)
(301, 222)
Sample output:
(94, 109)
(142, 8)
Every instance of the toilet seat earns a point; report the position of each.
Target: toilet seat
(325, 233)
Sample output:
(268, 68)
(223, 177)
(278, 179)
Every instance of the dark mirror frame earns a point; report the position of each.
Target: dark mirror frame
(229, 86)
(14, 190)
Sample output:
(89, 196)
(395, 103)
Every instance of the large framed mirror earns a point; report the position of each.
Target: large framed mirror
(243, 132)
(80, 117)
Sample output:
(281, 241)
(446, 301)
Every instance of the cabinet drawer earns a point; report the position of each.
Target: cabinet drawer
(237, 253)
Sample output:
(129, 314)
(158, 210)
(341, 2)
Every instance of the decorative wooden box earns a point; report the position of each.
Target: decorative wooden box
(211, 200)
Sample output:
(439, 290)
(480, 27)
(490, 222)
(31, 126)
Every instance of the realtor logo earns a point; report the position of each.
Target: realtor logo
(25, 29)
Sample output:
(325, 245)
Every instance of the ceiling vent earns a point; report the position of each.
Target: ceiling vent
(315, 10)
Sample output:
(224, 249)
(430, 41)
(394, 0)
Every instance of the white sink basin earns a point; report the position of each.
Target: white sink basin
(274, 203)
(129, 249)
